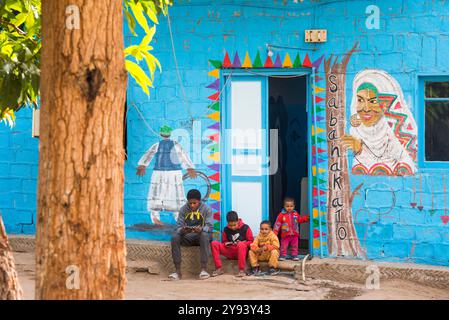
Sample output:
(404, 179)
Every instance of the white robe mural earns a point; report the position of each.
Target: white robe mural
(166, 192)
(383, 132)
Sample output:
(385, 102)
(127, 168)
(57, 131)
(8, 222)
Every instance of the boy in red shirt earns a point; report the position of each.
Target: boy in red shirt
(236, 238)
(287, 223)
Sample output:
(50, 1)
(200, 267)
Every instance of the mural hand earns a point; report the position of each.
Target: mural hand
(350, 142)
(192, 173)
(141, 170)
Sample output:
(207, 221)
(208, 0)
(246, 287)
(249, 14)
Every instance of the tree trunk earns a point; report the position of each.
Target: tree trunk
(9, 281)
(342, 237)
(80, 244)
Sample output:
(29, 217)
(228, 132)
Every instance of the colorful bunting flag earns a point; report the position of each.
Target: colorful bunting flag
(278, 63)
(258, 61)
(236, 63)
(247, 61)
(227, 61)
(306, 63)
(287, 61)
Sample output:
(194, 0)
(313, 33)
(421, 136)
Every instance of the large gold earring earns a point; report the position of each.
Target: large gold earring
(355, 120)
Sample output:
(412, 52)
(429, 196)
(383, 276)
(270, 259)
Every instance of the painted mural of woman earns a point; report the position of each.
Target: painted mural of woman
(166, 191)
(383, 132)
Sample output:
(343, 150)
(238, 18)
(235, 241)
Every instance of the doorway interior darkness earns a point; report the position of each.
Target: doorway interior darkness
(287, 114)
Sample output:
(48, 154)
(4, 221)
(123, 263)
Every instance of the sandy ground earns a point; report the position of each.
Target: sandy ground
(143, 285)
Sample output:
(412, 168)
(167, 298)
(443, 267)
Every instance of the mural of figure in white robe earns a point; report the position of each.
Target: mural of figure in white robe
(383, 133)
(166, 192)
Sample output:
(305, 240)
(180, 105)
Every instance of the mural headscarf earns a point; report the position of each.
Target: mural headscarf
(382, 121)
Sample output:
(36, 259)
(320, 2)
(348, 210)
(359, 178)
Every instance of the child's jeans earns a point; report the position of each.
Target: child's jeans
(289, 240)
(233, 252)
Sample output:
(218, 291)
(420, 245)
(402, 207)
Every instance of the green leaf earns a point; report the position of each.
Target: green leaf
(138, 11)
(139, 75)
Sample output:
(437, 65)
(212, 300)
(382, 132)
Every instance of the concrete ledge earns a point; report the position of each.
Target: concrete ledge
(155, 257)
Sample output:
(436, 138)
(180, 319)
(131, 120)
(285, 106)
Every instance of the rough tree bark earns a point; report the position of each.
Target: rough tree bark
(9, 282)
(80, 222)
(342, 237)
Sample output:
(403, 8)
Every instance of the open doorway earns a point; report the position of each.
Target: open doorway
(287, 114)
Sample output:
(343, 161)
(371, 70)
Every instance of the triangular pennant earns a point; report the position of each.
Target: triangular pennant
(268, 63)
(217, 216)
(315, 213)
(247, 61)
(278, 63)
(215, 167)
(215, 196)
(217, 64)
(320, 170)
(214, 85)
(226, 61)
(317, 78)
(318, 109)
(215, 137)
(214, 73)
(214, 147)
(314, 160)
(215, 177)
(318, 130)
(215, 186)
(306, 63)
(215, 157)
(215, 205)
(214, 116)
(215, 126)
(236, 63)
(319, 118)
(315, 192)
(258, 61)
(319, 139)
(318, 61)
(297, 63)
(217, 225)
(287, 61)
(214, 97)
(319, 150)
(316, 181)
(215, 106)
(315, 202)
(318, 99)
(317, 89)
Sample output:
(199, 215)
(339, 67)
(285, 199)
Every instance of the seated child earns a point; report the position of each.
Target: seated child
(287, 223)
(236, 238)
(193, 228)
(265, 248)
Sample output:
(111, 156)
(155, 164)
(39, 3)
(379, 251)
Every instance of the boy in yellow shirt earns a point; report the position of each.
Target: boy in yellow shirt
(265, 248)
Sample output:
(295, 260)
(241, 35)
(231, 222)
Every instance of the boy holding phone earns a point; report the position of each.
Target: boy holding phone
(236, 238)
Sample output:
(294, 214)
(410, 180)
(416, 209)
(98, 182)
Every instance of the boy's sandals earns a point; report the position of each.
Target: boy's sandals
(217, 273)
(204, 275)
(282, 258)
(174, 276)
(241, 273)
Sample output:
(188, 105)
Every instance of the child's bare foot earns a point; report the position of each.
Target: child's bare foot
(217, 272)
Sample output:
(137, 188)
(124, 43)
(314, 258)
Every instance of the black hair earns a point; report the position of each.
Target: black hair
(289, 199)
(194, 194)
(266, 222)
(232, 216)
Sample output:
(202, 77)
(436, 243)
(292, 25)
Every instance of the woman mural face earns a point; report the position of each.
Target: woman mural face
(368, 108)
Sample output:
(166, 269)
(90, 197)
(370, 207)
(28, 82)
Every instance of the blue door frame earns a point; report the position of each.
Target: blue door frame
(225, 185)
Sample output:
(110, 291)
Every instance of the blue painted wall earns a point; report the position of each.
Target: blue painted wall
(413, 38)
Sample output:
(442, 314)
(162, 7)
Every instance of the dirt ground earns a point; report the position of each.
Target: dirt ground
(142, 285)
